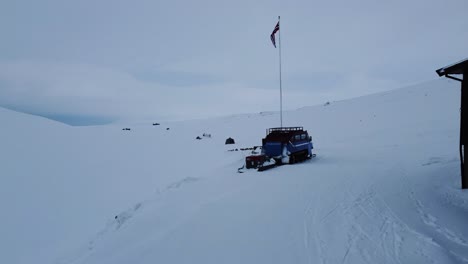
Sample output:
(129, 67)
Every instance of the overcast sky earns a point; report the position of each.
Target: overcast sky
(112, 59)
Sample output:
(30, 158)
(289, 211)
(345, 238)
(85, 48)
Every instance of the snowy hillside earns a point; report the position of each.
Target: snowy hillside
(384, 188)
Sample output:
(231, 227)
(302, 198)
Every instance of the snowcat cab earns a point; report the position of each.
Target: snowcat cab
(287, 144)
(281, 145)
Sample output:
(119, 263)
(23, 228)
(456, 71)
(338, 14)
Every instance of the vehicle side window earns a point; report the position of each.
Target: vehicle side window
(297, 137)
(303, 136)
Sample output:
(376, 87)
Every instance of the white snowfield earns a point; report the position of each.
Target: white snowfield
(384, 188)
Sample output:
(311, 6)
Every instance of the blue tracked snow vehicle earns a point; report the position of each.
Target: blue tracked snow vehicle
(287, 144)
(284, 145)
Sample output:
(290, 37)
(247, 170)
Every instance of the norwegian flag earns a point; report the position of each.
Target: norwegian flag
(272, 36)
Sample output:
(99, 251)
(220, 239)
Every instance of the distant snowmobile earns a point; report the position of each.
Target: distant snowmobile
(282, 145)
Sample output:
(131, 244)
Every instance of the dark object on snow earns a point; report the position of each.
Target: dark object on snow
(283, 145)
(156, 124)
(207, 135)
(287, 144)
(244, 149)
(230, 141)
(167, 128)
(461, 68)
(126, 128)
(198, 137)
(254, 161)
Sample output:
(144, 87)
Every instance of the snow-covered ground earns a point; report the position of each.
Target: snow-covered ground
(384, 188)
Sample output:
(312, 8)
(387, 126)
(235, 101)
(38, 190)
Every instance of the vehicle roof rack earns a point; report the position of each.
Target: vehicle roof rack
(284, 129)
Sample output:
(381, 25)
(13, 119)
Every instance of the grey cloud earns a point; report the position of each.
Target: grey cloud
(183, 58)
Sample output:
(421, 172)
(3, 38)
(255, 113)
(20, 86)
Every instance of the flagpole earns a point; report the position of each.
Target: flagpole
(281, 91)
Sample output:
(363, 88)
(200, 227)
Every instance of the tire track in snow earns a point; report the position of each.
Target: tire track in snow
(329, 213)
(428, 219)
(351, 244)
(367, 230)
(317, 239)
(306, 236)
(392, 223)
(311, 215)
(433, 222)
(395, 227)
(364, 211)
